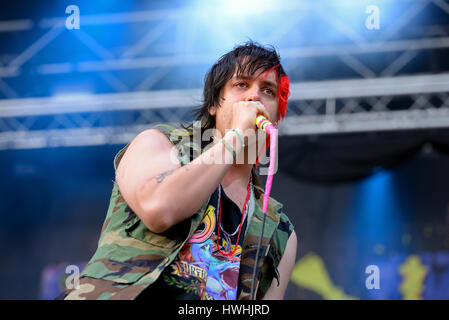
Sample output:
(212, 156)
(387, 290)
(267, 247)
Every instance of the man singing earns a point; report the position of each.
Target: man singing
(187, 226)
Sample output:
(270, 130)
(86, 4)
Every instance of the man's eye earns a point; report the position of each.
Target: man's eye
(269, 91)
(241, 84)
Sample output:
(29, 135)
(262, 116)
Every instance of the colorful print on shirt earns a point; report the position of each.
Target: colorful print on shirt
(200, 271)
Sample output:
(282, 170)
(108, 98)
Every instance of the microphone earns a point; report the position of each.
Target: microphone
(264, 124)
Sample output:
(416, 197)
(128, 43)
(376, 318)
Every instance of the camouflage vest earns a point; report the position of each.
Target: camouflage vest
(130, 257)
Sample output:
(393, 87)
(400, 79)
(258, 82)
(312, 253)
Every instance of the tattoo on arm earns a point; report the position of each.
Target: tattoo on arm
(161, 177)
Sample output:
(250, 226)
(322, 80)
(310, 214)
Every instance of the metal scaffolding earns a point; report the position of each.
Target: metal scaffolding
(367, 97)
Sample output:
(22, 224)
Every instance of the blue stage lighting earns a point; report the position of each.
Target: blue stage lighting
(377, 212)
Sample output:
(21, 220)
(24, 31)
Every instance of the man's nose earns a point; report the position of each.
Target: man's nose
(253, 95)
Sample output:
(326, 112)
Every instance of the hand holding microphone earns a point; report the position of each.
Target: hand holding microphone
(245, 112)
(243, 118)
(263, 123)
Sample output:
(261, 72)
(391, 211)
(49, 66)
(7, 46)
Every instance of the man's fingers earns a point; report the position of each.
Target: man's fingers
(262, 110)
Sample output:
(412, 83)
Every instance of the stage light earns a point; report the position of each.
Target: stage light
(377, 211)
(224, 24)
(247, 8)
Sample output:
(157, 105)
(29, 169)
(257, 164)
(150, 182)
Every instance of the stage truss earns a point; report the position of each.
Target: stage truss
(387, 97)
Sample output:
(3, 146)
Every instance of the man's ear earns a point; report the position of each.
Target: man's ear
(213, 111)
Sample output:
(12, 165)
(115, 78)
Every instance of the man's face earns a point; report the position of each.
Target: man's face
(262, 88)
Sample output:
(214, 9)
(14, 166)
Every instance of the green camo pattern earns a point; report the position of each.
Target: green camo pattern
(130, 257)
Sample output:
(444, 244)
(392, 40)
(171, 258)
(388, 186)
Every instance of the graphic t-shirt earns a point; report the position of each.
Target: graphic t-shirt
(200, 271)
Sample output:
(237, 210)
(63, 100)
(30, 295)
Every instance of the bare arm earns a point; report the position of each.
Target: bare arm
(285, 269)
(150, 178)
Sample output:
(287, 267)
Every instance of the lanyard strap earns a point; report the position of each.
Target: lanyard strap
(244, 213)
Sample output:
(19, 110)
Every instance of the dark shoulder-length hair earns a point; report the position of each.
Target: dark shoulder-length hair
(248, 59)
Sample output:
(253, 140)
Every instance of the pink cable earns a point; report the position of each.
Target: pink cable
(263, 124)
(273, 142)
(268, 127)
